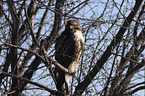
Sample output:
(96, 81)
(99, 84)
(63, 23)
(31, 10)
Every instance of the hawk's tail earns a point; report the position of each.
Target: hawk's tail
(59, 77)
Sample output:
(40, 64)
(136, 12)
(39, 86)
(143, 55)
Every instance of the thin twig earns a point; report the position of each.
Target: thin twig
(31, 30)
(34, 83)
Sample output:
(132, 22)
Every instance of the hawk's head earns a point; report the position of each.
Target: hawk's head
(73, 24)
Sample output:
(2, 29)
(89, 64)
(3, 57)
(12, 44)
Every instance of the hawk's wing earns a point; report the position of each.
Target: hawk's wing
(65, 47)
(68, 51)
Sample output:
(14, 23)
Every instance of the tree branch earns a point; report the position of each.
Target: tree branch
(49, 41)
(33, 46)
(125, 59)
(4, 13)
(31, 30)
(138, 84)
(43, 19)
(37, 55)
(122, 86)
(34, 83)
(137, 89)
(99, 64)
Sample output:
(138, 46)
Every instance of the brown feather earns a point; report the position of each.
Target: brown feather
(68, 51)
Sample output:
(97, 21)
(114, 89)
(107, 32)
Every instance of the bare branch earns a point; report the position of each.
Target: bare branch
(4, 13)
(123, 84)
(138, 84)
(55, 62)
(84, 84)
(137, 89)
(49, 57)
(15, 46)
(43, 19)
(34, 83)
(125, 59)
(30, 27)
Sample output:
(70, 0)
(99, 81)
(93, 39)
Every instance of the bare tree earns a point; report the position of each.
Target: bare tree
(114, 55)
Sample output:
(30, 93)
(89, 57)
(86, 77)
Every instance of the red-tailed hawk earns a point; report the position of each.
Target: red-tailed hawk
(68, 52)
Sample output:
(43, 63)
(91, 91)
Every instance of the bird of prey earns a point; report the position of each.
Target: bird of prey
(68, 52)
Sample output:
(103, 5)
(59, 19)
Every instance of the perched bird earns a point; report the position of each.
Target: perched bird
(68, 52)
